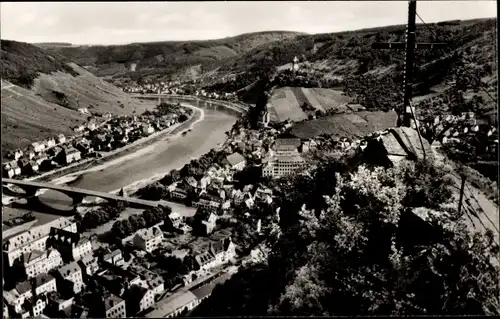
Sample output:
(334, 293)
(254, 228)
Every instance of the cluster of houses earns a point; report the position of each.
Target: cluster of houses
(215, 191)
(178, 88)
(112, 134)
(58, 263)
(37, 156)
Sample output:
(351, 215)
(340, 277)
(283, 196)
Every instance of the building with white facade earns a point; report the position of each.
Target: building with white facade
(71, 272)
(71, 245)
(236, 161)
(280, 166)
(34, 239)
(148, 239)
(44, 283)
(17, 296)
(37, 262)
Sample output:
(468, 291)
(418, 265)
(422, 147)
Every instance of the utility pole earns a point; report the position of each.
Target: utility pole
(462, 188)
(405, 113)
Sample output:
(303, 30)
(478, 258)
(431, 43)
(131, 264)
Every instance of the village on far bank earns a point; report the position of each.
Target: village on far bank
(99, 136)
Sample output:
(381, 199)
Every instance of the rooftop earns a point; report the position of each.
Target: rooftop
(42, 279)
(111, 301)
(149, 233)
(34, 233)
(235, 159)
(23, 287)
(69, 269)
(171, 304)
(32, 256)
(204, 258)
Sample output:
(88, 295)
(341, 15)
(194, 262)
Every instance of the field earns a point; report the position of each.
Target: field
(285, 104)
(353, 125)
(330, 99)
(310, 96)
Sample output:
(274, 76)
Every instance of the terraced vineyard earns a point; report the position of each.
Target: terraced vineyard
(352, 125)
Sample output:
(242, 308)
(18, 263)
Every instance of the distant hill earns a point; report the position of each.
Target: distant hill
(41, 93)
(168, 57)
(52, 44)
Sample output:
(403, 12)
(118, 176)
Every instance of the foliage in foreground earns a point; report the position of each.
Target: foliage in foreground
(367, 254)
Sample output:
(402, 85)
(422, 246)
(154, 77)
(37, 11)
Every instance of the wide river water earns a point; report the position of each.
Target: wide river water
(166, 154)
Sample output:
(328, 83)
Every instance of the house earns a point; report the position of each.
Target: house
(25, 166)
(156, 284)
(287, 144)
(18, 154)
(147, 129)
(34, 239)
(208, 201)
(71, 245)
(236, 161)
(138, 299)
(11, 169)
(51, 142)
(191, 181)
(205, 260)
(179, 193)
(61, 139)
(229, 249)
(108, 116)
(37, 147)
(204, 182)
(57, 305)
(43, 283)
(38, 304)
(176, 219)
(283, 165)
(72, 273)
(41, 158)
(55, 152)
(217, 250)
(114, 258)
(72, 155)
(37, 262)
(175, 305)
(114, 307)
(89, 265)
(148, 239)
(84, 147)
(92, 125)
(209, 224)
(83, 110)
(79, 128)
(17, 296)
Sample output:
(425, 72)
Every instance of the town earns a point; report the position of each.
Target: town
(98, 137)
(314, 172)
(170, 262)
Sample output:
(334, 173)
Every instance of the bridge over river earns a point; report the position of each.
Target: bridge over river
(77, 194)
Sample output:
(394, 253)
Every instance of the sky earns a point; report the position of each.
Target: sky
(127, 22)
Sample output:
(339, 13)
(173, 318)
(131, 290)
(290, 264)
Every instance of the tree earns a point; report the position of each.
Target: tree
(350, 257)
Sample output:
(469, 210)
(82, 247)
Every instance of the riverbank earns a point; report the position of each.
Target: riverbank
(132, 150)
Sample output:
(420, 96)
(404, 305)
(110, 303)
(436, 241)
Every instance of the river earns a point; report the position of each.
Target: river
(166, 154)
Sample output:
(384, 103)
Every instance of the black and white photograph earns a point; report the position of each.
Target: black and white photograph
(210, 159)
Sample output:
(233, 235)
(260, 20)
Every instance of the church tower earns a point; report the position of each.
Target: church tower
(295, 64)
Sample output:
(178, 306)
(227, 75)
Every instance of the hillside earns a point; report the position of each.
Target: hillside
(41, 95)
(169, 57)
